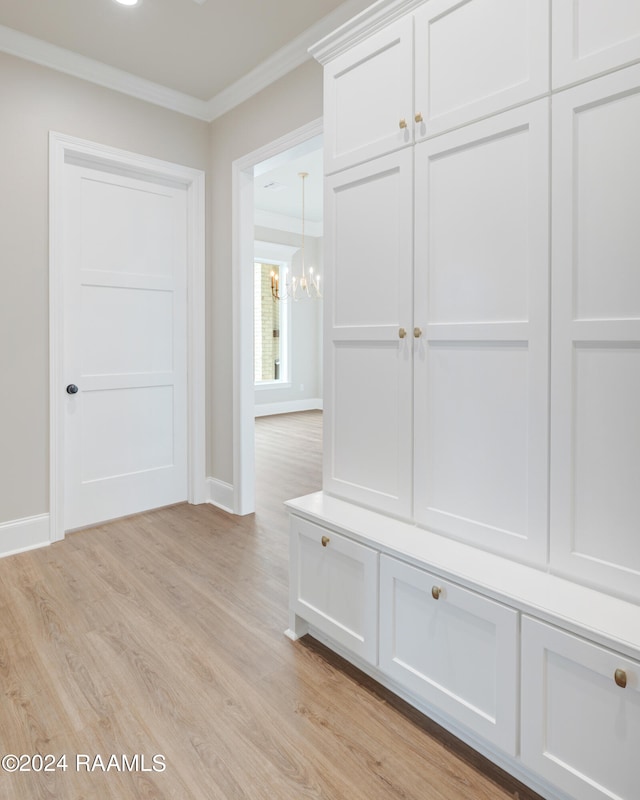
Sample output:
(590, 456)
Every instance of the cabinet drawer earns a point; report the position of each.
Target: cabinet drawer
(451, 647)
(334, 586)
(580, 729)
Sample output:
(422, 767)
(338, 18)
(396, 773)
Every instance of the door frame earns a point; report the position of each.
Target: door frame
(242, 308)
(63, 149)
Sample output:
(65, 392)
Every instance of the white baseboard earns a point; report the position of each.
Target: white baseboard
(24, 534)
(220, 494)
(288, 406)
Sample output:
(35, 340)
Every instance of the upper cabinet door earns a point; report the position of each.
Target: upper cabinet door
(477, 57)
(595, 368)
(591, 37)
(368, 98)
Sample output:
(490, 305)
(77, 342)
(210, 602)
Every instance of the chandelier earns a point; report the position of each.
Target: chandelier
(307, 283)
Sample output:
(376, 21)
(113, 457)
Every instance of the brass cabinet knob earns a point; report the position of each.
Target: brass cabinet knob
(419, 117)
(417, 332)
(436, 591)
(325, 541)
(403, 123)
(621, 678)
(402, 333)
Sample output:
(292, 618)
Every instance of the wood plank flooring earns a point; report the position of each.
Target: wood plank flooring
(162, 634)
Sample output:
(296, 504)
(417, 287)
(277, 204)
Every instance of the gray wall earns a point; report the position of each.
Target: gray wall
(288, 104)
(35, 100)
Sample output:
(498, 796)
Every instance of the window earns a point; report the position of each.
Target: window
(270, 324)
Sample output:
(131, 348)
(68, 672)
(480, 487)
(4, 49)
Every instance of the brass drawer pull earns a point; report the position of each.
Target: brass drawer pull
(436, 591)
(402, 333)
(621, 678)
(419, 117)
(403, 124)
(417, 333)
(325, 541)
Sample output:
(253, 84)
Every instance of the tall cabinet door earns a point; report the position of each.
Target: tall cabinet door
(481, 302)
(368, 339)
(595, 466)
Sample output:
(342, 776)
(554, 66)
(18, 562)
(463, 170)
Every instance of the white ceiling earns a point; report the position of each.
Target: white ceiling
(196, 49)
(284, 201)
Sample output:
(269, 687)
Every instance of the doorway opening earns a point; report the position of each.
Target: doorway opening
(267, 230)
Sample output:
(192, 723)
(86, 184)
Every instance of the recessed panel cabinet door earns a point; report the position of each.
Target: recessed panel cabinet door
(580, 714)
(595, 468)
(369, 338)
(591, 37)
(334, 586)
(368, 98)
(451, 647)
(476, 57)
(481, 301)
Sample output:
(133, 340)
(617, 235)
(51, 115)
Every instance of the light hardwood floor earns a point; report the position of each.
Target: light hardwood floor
(163, 634)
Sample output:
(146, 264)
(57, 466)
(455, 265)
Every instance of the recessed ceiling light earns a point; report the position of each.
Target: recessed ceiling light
(128, 2)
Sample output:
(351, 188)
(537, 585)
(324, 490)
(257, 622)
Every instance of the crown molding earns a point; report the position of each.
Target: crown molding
(289, 57)
(361, 26)
(292, 55)
(283, 222)
(49, 55)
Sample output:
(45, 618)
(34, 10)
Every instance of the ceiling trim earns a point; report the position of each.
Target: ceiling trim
(49, 55)
(283, 222)
(292, 55)
(361, 26)
(283, 61)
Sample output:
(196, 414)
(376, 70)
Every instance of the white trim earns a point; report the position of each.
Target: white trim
(360, 27)
(23, 534)
(288, 406)
(283, 61)
(242, 310)
(61, 147)
(220, 494)
(283, 222)
(292, 55)
(88, 69)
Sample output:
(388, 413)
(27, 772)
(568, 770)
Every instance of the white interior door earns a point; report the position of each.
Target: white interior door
(125, 345)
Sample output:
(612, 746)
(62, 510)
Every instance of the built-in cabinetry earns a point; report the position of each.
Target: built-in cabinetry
(539, 673)
(482, 376)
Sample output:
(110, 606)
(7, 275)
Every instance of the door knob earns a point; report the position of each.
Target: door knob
(72, 388)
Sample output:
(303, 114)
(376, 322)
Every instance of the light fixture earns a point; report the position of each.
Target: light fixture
(307, 283)
(128, 2)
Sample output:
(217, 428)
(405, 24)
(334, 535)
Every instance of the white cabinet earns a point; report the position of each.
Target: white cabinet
(428, 72)
(334, 586)
(457, 407)
(368, 98)
(477, 57)
(451, 647)
(595, 469)
(481, 301)
(368, 366)
(581, 714)
(591, 37)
